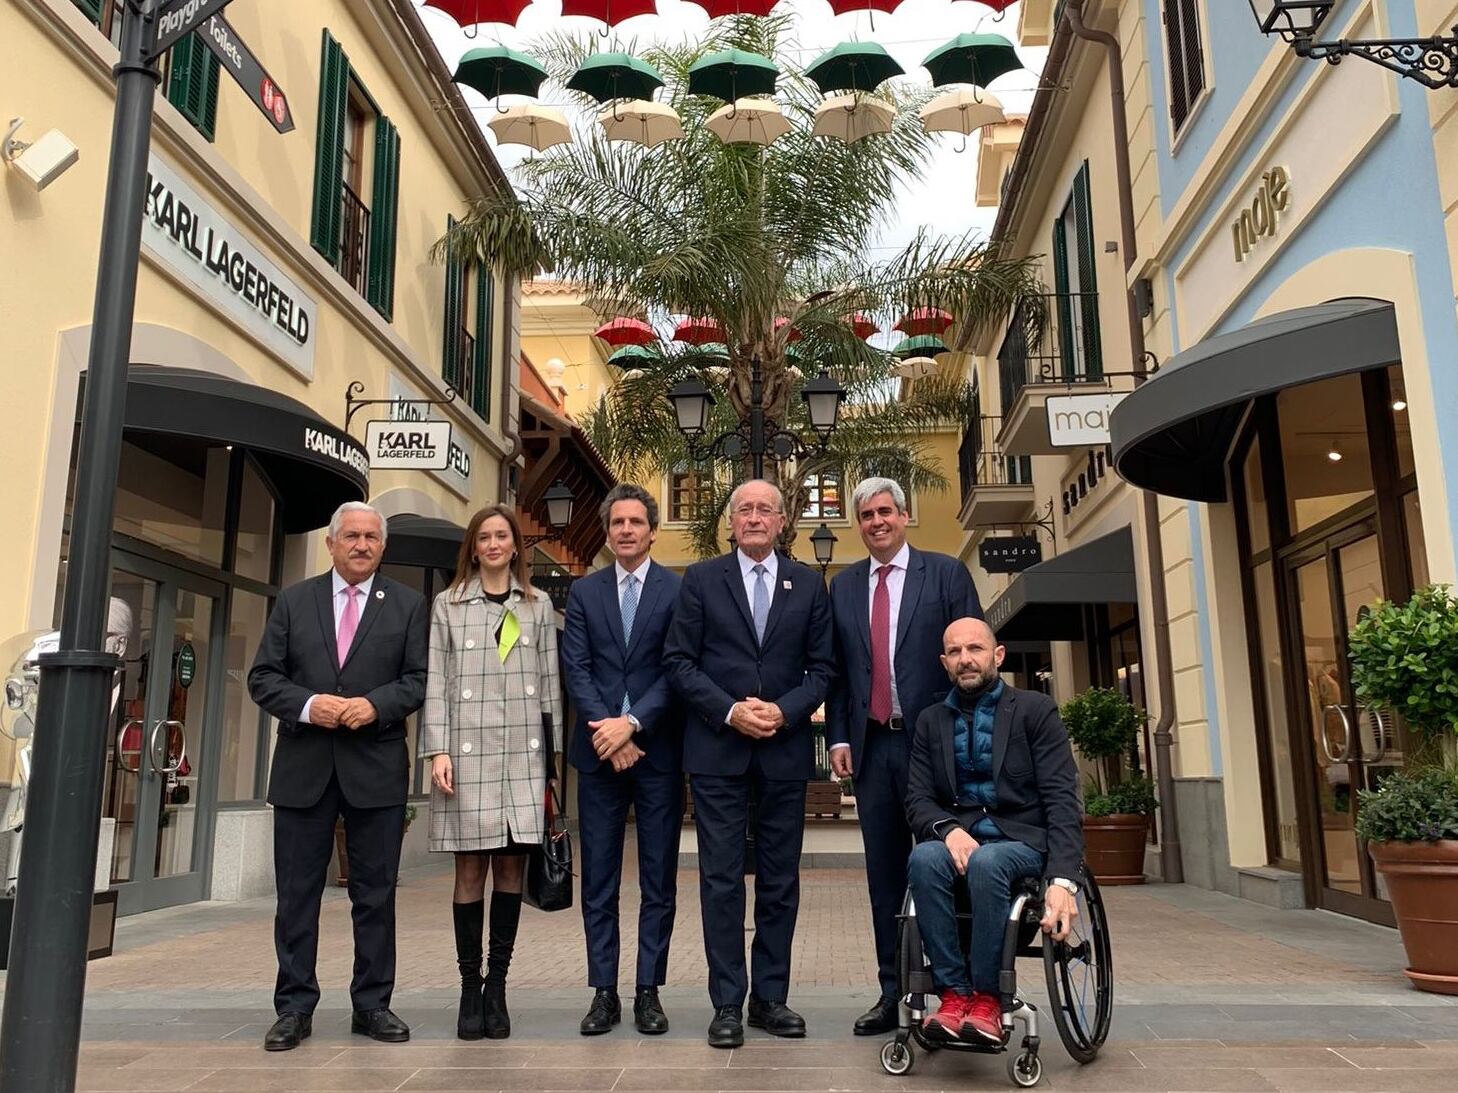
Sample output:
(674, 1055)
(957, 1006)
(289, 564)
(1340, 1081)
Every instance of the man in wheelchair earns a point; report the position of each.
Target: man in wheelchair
(993, 798)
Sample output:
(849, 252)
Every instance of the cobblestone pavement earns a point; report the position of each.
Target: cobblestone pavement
(1212, 994)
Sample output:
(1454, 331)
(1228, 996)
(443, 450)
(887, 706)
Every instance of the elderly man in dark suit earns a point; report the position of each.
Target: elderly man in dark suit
(750, 653)
(993, 797)
(890, 611)
(627, 745)
(341, 665)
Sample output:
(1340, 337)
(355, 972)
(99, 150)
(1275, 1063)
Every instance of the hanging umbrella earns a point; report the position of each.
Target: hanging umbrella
(732, 74)
(846, 7)
(714, 349)
(921, 345)
(608, 76)
(998, 6)
(924, 320)
(611, 12)
(852, 117)
(496, 71)
(972, 58)
(794, 335)
(862, 326)
(625, 331)
(468, 13)
(700, 332)
(748, 121)
(964, 110)
(631, 355)
(642, 121)
(853, 66)
(720, 8)
(914, 368)
(538, 127)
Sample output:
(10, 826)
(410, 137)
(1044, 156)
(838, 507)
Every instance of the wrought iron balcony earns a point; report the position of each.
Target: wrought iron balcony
(465, 383)
(995, 486)
(1052, 344)
(354, 239)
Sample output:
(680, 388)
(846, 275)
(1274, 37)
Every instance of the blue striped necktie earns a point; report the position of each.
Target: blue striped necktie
(630, 611)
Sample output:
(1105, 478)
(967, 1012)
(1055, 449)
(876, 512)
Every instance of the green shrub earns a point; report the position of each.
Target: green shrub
(1133, 796)
(1410, 805)
(1404, 657)
(1101, 723)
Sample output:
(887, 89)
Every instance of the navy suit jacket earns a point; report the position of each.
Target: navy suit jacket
(937, 590)
(599, 669)
(713, 660)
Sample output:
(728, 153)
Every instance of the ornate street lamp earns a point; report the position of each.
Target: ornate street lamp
(691, 401)
(1432, 62)
(823, 540)
(559, 501)
(823, 397)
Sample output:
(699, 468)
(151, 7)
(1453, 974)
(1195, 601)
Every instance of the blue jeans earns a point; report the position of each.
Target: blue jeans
(991, 871)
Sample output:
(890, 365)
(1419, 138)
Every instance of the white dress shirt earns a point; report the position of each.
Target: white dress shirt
(746, 568)
(895, 584)
(339, 599)
(641, 573)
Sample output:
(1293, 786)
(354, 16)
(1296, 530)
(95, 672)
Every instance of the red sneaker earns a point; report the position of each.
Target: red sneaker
(949, 1019)
(982, 1019)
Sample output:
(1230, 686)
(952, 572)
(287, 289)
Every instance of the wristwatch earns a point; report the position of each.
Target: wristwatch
(637, 725)
(1064, 882)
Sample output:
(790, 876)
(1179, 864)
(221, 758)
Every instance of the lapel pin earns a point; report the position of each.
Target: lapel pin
(379, 593)
(789, 585)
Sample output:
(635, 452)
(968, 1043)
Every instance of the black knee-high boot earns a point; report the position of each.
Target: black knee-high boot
(469, 919)
(505, 917)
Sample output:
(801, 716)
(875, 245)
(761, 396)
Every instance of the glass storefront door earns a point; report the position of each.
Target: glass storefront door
(158, 789)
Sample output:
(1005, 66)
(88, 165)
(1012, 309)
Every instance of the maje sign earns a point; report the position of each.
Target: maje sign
(1079, 421)
(408, 445)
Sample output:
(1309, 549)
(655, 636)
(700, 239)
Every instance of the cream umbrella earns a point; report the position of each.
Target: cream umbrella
(642, 121)
(853, 117)
(748, 121)
(538, 127)
(914, 368)
(965, 110)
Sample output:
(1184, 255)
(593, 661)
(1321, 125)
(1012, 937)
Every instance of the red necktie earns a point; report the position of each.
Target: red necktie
(881, 648)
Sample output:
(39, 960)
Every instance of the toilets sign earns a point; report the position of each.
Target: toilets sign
(1080, 421)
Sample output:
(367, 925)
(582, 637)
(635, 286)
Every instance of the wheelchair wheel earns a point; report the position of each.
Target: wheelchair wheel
(1080, 974)
(1025, 1070)
(897, 1057)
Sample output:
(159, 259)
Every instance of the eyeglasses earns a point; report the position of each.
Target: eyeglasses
(756, 510)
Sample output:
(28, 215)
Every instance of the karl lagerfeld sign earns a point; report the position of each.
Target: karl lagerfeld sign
(455, 473)
(193, 240)
(409, 445)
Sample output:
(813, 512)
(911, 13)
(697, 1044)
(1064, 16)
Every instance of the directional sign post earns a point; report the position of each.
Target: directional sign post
(239, 62)
(176, 19)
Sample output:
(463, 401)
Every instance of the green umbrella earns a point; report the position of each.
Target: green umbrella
(732, 74)
(853, 66)
(972, 58)
(923, 345)
(608, 76)
(629, 355)
(496, 71)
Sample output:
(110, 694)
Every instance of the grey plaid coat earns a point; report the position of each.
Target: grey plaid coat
(487, 716)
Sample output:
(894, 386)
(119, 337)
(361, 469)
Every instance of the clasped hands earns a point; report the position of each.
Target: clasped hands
(1059, 906)
(612, 740)
(756, 718)
(332, 712)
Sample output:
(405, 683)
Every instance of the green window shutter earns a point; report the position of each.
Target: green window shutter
(328, 214)
(1060, 286)
(454, 272)
(193, 85)
(91, 9)
(384, 218)
(1088, 302)
(481, 381)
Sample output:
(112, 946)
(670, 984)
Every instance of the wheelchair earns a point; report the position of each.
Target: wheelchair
(1079, 972)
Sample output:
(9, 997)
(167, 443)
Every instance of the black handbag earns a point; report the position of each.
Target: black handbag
(549, 869)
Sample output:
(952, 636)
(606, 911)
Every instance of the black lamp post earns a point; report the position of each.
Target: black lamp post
(1433, 62)
(756, 435)
(559, 501)
(823, 540)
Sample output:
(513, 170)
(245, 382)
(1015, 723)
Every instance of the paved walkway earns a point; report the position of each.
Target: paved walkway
(1212, 994)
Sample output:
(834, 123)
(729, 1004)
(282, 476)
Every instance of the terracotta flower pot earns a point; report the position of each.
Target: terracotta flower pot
(1114, 847)
(1422, 880)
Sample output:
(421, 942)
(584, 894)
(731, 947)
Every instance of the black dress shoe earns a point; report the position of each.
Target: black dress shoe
(605, 1012)
(727, 1027)
(648, 1013)
(776, 1018)
(880, 1018)
(288, 1032)
(380, 1025)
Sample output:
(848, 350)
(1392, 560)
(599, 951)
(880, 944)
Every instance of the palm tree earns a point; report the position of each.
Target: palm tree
(747, 235)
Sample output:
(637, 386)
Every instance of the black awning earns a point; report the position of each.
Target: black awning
(1173, 435)
(1045, 602)
(314, 466)
(423, 541)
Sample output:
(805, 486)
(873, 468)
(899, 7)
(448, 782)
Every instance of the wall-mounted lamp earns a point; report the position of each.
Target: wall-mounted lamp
(1334, 453)
(41, 161)
(1432, 62)
(1399, 405)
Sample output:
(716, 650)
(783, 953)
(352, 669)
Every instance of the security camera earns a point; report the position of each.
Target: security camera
(41, 161)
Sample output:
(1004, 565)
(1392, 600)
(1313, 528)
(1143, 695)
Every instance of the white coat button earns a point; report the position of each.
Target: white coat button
(534, 743)
(526, 640)
(531, 690)
(470, 643)
(466, 748)
(466, 694)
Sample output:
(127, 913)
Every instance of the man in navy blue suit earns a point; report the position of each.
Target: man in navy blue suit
(750, 653)
(890, 612)
(627, 746)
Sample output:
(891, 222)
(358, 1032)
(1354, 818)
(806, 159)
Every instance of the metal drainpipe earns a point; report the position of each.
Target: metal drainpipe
(513, 368)
(1171, 863)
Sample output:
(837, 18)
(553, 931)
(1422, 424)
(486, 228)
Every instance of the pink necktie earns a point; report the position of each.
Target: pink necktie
(348, 622)
(881, 648)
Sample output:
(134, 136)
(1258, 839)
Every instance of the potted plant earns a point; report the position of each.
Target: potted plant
(1103, 727)
(1404, 658)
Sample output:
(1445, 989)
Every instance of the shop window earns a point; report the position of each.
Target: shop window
(174, 495)
(356, 238)
(1285, 847)
(1185, 58)
(1324, 449)
(689, 493)
(1076, 305)
(1417, 547)
(241, 777)
(253, 555)
(470, 297)
(823, 497)
(1257, 514)
(1401, 421)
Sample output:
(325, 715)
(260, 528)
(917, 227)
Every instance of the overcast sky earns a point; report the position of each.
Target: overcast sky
(942, 200)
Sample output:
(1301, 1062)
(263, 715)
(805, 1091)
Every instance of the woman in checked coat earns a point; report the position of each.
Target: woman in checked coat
(491, 702)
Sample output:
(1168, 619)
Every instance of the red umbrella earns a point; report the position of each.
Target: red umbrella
(862, 325)
(470, 12)
(998, 6)
(783, 322)
(924, 320)
(611, 12)
(624, 331)
(845, 7)
(698, 331)
(717, 8)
